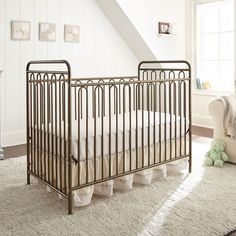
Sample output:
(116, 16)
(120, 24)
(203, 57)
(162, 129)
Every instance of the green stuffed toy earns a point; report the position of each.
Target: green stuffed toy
(216, 156)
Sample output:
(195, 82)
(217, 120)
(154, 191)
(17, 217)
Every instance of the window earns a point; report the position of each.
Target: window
(215, 44)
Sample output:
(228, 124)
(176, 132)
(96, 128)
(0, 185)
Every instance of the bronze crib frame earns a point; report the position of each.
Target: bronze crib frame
(163, 86)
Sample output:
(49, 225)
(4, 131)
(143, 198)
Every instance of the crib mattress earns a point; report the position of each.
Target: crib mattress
(165, 127)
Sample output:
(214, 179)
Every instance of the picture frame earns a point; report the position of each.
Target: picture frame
(164, 28)
(47, 32)
(20, 30)
(71, 33)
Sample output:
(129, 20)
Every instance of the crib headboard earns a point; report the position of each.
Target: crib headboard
(173, 82)
(48, 107)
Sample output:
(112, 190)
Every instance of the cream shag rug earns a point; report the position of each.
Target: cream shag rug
(203, 203)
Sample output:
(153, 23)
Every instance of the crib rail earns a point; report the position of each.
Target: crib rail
(104, 128)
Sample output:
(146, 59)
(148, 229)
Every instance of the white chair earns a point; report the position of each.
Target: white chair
(226, 134)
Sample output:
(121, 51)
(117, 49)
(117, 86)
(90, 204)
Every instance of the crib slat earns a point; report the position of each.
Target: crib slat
(44, 129)
(60, 132)
(95, 133)
(185, 121)
(35, 129)
(40, 130)
(117, 112)
(79, 140)
(175, 115)
(37, 126)
(165, 130)
(170, 111)
(130, 132)
(56, 134)
(124, 103)
(109, 118)
(64, 134)
(87, 136)
(137, 121)
(48, 130)
(52, 130)
(180, 113)
(160, 121)
(154, 118)
(148, 108)
(142, 126)
(102, 127)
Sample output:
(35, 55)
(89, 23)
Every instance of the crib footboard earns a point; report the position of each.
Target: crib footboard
(85, 131)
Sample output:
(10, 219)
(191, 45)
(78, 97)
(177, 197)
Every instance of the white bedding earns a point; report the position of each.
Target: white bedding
(120, 133)
(144, 126)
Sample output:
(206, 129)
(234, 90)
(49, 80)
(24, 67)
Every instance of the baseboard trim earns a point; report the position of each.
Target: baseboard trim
(202, 131)
(15, 151)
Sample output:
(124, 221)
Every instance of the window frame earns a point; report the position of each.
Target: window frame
(191, 42)
(200, 60)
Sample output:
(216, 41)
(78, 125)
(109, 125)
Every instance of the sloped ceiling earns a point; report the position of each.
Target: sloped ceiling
(127, 30)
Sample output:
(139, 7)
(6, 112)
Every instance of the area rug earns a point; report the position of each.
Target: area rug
(202, 203)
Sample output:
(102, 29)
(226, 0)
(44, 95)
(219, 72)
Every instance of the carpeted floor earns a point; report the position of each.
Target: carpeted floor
(203, 203)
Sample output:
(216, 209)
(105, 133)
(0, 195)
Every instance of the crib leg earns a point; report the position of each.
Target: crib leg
(70, 204)
(28, 178)
(190, 164)
(28, 170)
(28, 165)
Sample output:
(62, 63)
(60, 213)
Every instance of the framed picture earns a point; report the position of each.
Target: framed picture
(164, 28)
(47, 32)
(20, 30)
(71, 33)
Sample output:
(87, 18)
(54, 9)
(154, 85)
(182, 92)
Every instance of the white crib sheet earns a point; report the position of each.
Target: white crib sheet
(147, 118)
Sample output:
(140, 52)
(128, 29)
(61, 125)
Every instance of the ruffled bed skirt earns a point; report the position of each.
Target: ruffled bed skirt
(82, 197)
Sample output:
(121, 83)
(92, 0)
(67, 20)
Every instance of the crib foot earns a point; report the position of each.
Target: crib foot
(70, 205)
(190, 166)
(28, 179)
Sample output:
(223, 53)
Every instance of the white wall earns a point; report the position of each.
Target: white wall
(101, 51)
(145, 15)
